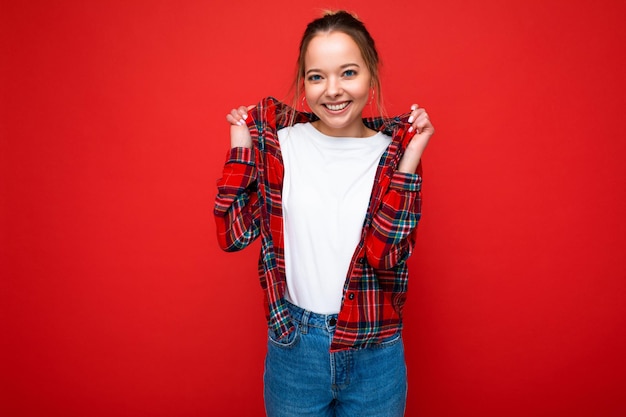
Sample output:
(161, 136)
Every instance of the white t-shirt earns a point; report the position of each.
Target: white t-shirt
(327, 186)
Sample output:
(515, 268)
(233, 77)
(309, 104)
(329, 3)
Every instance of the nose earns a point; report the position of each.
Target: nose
(333, 87)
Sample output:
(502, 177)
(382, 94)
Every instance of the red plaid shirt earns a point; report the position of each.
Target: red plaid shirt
(248, 205)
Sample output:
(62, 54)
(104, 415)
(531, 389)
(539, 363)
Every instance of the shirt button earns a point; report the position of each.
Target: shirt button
(332, 321)
(351, 296)
(361, 261)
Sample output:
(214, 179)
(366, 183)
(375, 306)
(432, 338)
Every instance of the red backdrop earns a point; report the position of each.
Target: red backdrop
(115, 299)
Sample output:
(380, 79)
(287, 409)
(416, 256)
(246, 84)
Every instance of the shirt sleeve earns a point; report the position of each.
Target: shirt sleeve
(237, 210)
(391, 237)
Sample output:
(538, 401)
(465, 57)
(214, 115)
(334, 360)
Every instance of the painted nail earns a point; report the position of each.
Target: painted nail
(410, 129)
(245, 116)
(411, 119)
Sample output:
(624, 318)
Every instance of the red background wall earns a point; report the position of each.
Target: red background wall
(115, 299)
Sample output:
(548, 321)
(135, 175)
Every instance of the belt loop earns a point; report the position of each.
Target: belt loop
(304, 321)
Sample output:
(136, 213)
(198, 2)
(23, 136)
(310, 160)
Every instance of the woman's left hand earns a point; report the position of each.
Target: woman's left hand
(424, 129)
(420, 121)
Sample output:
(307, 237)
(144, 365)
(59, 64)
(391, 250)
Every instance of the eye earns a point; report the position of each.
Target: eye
(349, 73)
(314, 77)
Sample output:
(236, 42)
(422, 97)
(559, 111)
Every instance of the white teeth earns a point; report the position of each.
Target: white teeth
(336, 107)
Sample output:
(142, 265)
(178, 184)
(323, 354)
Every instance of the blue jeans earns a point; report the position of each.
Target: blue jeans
(304, 379)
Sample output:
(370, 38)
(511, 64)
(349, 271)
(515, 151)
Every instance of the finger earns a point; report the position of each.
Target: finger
(425, 125)
(422, 119)
(230, 119)
(415, 115)
(242, 113)
(235, 118)
(415, 109)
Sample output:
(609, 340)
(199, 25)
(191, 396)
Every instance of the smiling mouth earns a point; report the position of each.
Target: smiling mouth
(337, 107)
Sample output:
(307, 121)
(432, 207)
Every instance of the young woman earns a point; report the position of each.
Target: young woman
(335, 199)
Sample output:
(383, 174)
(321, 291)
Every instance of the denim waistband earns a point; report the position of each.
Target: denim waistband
(306, 317)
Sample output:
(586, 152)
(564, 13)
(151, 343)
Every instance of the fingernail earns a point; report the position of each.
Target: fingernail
(240, 123)
(411, 119)
(245, 116)
(410, 129)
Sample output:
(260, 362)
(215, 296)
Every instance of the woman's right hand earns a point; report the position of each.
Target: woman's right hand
(239, 132)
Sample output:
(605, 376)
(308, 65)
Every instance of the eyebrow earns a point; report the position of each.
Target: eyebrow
(341, 67)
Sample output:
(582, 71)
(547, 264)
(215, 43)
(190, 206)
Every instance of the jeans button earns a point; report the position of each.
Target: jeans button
(332, 321)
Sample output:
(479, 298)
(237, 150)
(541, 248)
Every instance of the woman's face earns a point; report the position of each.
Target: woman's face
(336, 84)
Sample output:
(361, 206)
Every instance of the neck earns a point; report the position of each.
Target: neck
(357, 131)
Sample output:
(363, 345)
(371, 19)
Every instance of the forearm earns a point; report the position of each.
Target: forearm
(410, 161)
(389, 239)
(236, 203)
